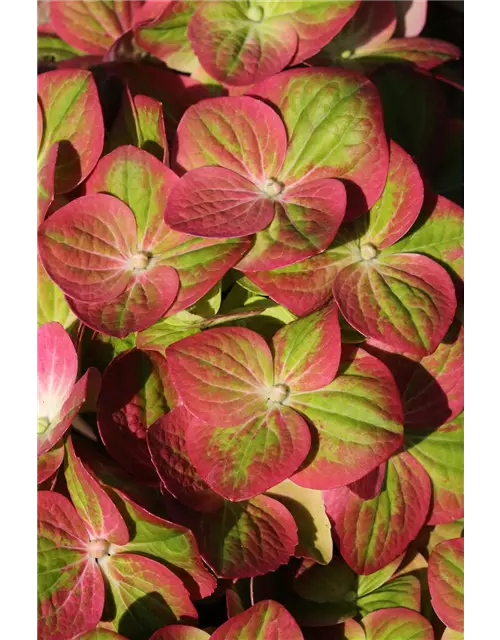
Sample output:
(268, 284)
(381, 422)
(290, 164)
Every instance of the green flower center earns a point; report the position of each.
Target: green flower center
(255, 14)
(368, 251)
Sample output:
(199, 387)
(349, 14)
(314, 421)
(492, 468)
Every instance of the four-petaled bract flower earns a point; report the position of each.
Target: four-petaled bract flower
(269, 170)
(249, 429)
(120, 266)
(90, 539)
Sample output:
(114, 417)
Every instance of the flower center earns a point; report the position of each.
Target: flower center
(368, 251)
(255, 14)
(272, 188)
(98, 548)
(140, 261)
(279, 393)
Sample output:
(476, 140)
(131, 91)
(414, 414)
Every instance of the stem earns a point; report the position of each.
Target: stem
(84, 428)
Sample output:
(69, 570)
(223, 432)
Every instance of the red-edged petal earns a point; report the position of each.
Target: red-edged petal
(86, 247)
(446, 582)
(373, 532)
(213, 202)
(244, 461)
(73, 117)
(222, 375)
(167, 445)
(404, 300)
(268, 620)
(400, 623)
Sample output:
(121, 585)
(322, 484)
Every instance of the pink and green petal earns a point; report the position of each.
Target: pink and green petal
(56, 369)
(87, 247)
(164, 33)
(307, 351)
(241, 134)
(313, 527)
(238, 44)
(357, 419)
(167, 445)
(248, 539)
(212, 202)
(267, 620)
(303, 287)
(439, 234)
(70, 585)
(243, 461)
(335, 125)
(101, 517)
(48, 463)
(144, 184)
(405, 300)
(180, 632)
(93, 28)
(441, 453)
(135, 393)
(307, 217)
(200, 263)
(399, 205)
(146, 595)
(403, 591)
(446, 582)
(369, 583)
(150, 127)
(223, 375)
(49, 432)
(73, 117)
(315, 23)
(372, 532)
(166, 542)
(425, 53)
(148, 296)
(397, 624)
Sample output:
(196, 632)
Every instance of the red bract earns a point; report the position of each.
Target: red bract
(249, 432)
(446, 582)
(72, 118)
